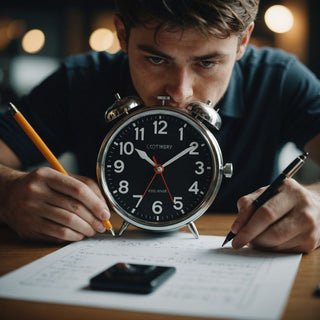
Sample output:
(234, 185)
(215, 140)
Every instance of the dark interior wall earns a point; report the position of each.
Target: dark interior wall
(314, 40)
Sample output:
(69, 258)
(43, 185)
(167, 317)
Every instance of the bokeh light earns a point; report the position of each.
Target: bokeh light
(33, 41)
(101, 39)
(279, 19)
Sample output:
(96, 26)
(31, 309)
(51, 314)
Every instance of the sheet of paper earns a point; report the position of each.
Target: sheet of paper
(210, 281)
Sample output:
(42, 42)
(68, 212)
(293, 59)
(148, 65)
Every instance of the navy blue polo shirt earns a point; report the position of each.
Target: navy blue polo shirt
(271, 99)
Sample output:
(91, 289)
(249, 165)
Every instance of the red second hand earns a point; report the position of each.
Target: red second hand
(161, 173)
(149, 185)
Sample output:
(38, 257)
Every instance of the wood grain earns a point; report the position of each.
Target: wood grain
(15, 253)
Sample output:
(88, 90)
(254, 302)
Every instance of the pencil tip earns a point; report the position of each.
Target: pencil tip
(12, 108)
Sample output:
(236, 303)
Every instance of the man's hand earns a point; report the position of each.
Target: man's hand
(289, 221)
(48, 205)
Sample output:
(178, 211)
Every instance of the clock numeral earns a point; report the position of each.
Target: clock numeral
(123, 186)
(118, 166)
(139, 197)
(195, 146)
(157, 207)
(126, 148)
(178, 204)
(200, 169)
(139, 133)
(181, 133)
(159, 127)
(194, 188)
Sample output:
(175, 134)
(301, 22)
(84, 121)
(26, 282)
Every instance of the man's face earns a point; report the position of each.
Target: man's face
(185, 66)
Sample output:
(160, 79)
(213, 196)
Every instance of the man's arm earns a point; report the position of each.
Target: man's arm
(289, 221)
(47, 205)
(8, 157)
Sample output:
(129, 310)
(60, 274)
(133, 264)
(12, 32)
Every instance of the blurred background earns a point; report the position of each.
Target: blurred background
(35, 36)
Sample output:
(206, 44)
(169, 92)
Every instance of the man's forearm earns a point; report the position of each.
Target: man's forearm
(7, 177)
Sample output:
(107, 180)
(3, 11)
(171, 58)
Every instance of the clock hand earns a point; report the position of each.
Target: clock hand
(159, 169)
(143, 155)
(179, 155)
(149, 185)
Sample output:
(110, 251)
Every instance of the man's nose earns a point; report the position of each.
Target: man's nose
(179, 85)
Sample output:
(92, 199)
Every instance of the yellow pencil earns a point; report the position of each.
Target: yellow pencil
(31, 133)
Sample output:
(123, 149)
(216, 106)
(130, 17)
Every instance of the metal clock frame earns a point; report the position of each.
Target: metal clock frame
(208, 198)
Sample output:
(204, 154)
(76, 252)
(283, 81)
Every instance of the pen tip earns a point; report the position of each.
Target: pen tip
(229, 237)
(224, 242)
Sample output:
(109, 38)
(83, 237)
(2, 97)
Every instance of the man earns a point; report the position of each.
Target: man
(188, 50)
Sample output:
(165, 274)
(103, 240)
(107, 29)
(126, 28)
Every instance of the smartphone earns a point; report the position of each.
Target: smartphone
(133, 278)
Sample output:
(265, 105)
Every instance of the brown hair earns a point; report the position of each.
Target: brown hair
(219, 18)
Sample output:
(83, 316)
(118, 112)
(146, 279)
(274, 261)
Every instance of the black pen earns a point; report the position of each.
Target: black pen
(288, 172)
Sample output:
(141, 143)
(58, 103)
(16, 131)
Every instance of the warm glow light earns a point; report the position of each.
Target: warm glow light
(33, 41)
(4, 40)
(101, 39)
(16, 29)
(279, 19)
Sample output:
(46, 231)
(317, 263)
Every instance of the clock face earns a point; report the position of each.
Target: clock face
(159, 168)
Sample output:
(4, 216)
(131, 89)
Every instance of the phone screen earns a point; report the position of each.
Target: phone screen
(128, 277)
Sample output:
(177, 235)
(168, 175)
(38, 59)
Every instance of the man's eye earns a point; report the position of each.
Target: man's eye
(155, 60)
(207, 64)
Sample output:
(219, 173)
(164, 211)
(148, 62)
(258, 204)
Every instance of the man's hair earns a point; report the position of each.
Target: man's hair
(220, 18)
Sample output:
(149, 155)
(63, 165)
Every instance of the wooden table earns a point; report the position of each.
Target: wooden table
(15, 253)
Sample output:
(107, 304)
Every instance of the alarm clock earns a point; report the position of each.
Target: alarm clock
(159, 167)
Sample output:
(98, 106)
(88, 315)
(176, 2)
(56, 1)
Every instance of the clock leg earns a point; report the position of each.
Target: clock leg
(192, 227)
(124, 226)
